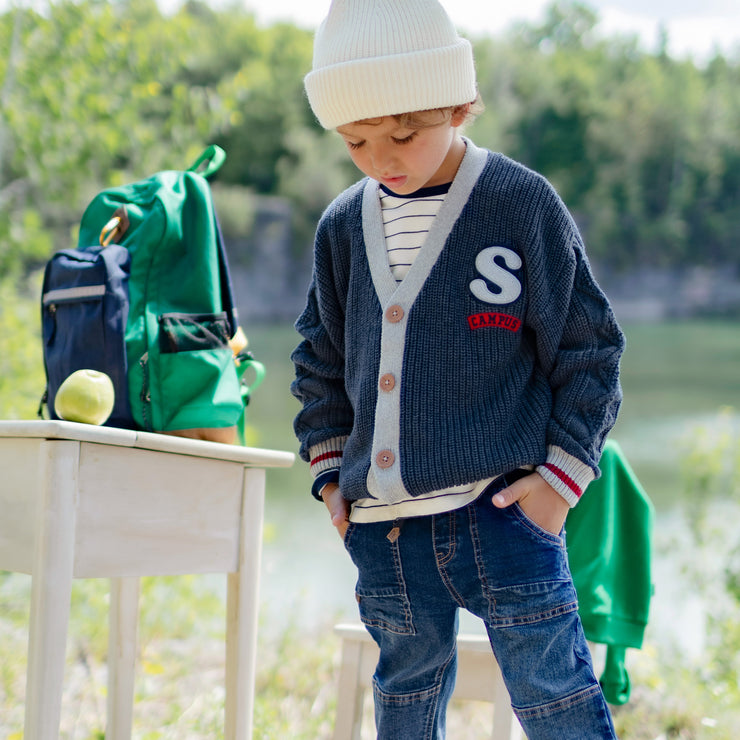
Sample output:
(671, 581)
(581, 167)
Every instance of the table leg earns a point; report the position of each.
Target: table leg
(242, 611)
(51, 588)
(122, 644)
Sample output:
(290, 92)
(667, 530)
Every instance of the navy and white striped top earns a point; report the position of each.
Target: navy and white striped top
(406, 222)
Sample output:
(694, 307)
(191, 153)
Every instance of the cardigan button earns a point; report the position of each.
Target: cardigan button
(394, 313)
(385, 458)
(387, 382)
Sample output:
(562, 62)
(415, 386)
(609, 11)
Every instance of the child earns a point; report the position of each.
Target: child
(458, 375)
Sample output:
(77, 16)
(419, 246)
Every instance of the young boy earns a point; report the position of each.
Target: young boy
(458, 375)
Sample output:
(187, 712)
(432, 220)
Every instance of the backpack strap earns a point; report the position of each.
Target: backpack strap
(213, 157)
(227, 289)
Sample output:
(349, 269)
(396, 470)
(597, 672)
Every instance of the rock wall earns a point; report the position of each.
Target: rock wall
(271, 276)
(655, 294)
(269, 280)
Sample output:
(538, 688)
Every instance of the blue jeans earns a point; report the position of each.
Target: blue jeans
(506, 570)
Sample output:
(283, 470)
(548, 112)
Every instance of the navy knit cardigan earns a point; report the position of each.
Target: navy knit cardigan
(498, 350)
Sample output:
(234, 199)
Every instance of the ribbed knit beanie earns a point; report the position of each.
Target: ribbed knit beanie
(376, 58)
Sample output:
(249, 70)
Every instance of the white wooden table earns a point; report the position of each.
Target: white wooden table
(79, 501)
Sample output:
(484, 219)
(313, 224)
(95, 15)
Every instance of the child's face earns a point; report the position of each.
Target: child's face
(405, 158)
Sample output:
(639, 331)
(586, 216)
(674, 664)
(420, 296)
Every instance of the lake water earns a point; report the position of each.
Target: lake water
(308, 579)
(677, 376)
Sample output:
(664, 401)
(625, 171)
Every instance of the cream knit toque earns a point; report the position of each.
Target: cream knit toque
(377, 58)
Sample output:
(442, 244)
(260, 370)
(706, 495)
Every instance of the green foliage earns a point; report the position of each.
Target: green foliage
(636, 143)
(674, 699)
(180, 667)
(711, 472)
(264, 95)
(303, 669)
(22, 378)
(642, 147)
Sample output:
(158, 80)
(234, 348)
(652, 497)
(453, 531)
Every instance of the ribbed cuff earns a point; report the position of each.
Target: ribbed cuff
(326, 455)
(328, 476)
(566, 474)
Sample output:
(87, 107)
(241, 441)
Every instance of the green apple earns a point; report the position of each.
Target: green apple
(86, 396)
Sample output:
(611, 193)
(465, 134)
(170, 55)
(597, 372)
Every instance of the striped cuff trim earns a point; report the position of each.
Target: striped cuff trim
(565, 478)
(566, 474)
(326, 455)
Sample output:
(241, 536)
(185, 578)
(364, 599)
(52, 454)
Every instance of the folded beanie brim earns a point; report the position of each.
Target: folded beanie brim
(373, 87)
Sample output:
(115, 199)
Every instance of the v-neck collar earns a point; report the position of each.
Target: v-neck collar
(406, 291)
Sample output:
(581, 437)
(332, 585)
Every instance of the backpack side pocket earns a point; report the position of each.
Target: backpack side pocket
(197, 384)
(84, 307)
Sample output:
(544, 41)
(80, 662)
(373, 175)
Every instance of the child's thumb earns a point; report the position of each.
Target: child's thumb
(508, 496)
(339, 513)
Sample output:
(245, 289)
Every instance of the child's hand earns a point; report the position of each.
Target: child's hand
(538, 500)
(338, 507)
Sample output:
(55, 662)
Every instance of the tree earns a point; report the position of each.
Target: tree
(639, 145)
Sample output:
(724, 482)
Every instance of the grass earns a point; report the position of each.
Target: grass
(179, 689)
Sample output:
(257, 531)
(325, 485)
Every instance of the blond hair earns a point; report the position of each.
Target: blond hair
(432, 117)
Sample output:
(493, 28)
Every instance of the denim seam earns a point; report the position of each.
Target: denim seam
(478, 551)
(387, 626)
(413, 696)
(409, 621)
(453, 529)
(441, 562)
(567, 702)
(451, 588)
(348, 534)
(429, 723)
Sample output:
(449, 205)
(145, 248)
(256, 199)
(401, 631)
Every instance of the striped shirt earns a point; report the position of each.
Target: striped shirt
(406, 222)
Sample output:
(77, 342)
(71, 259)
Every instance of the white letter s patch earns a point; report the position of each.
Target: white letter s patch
(508, 284)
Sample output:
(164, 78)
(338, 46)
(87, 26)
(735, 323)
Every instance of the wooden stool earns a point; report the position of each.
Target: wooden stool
(478, 679)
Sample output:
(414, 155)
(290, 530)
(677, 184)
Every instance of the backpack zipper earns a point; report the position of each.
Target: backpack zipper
(78, 293)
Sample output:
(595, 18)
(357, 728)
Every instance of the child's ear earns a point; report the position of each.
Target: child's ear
(460, 114)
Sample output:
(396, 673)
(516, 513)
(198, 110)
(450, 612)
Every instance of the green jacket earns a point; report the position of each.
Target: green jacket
(609, 535)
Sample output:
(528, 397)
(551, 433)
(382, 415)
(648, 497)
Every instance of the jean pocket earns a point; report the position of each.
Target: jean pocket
(381, 590)
(530, 603)
(387, 609)
(347, 535)
(533, 528)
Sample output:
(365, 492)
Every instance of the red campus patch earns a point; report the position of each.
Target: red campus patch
(501, 320)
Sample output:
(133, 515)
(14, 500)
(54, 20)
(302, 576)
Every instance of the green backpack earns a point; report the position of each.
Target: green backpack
(184, 374)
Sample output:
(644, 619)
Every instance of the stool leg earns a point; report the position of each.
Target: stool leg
(505, 724)
(348, 723)
(51, 589)
(122, 644)
(242, 612)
